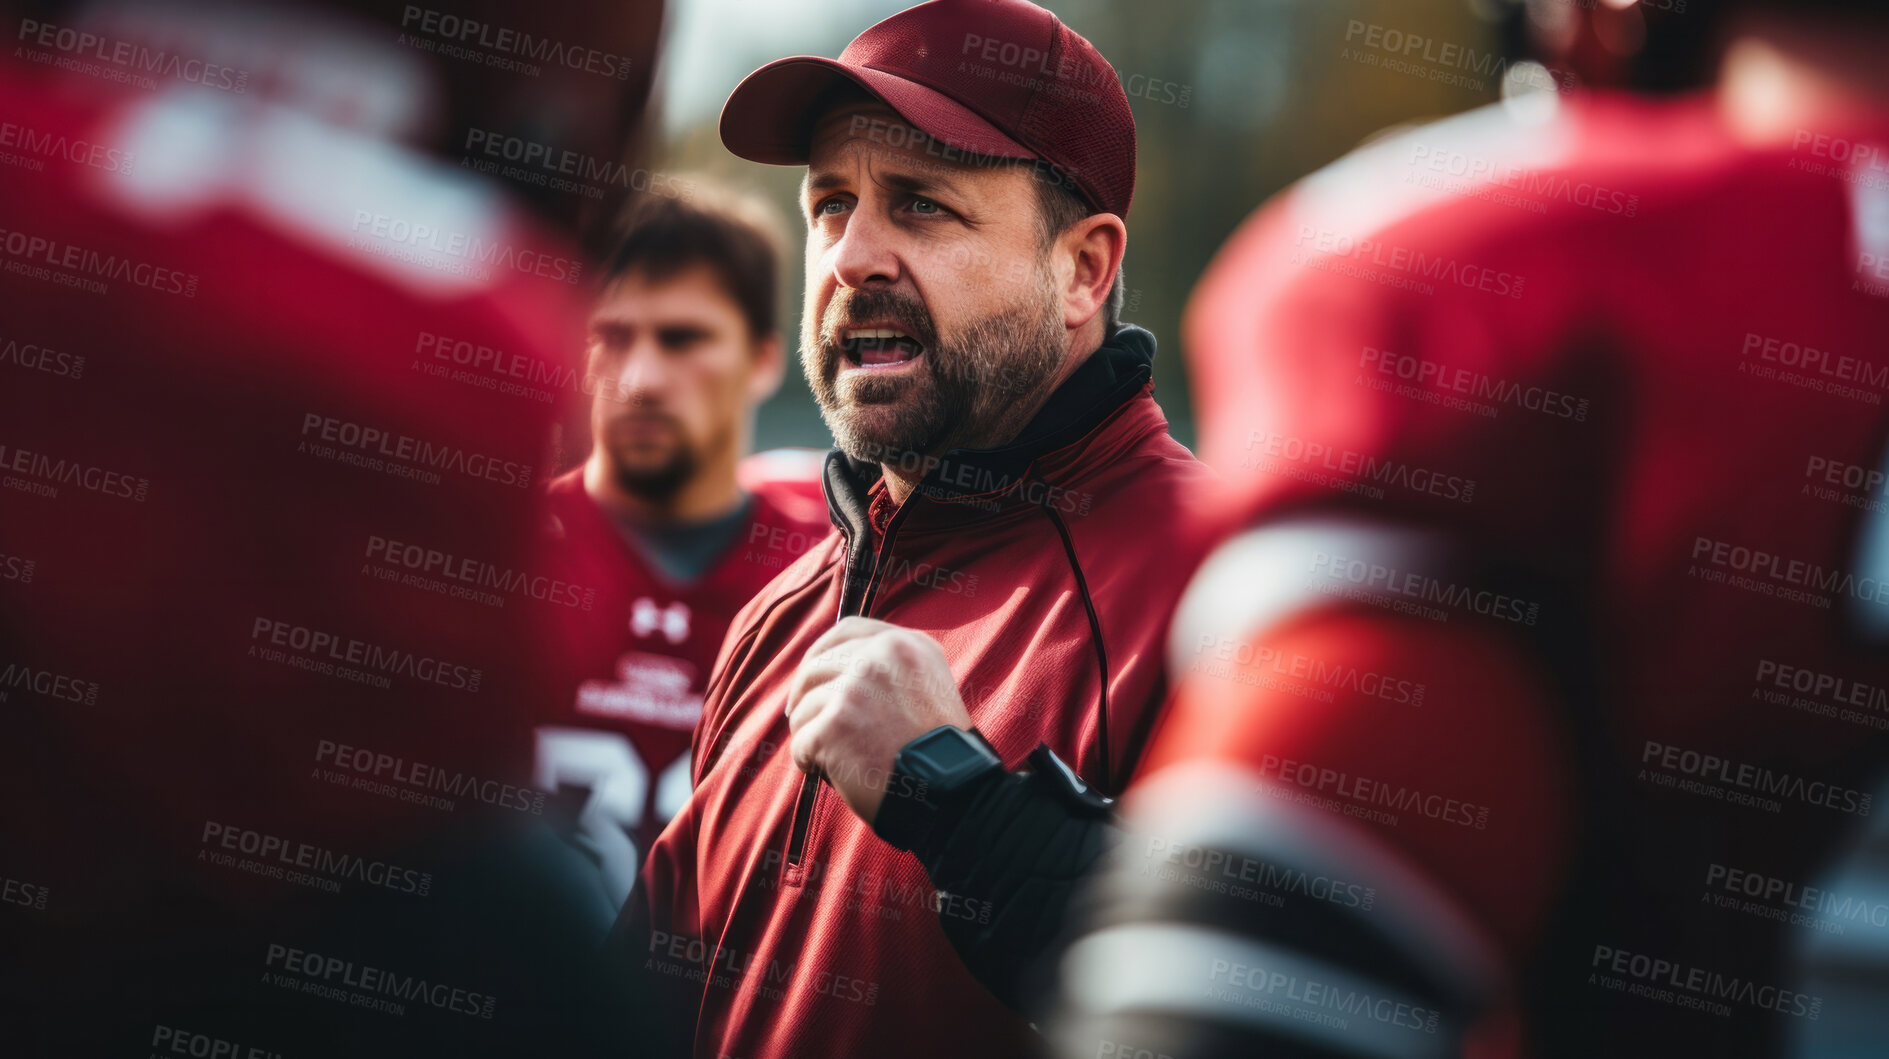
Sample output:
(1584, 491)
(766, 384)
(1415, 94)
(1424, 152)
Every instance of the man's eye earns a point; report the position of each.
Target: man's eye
(926, 206)
(829, 208)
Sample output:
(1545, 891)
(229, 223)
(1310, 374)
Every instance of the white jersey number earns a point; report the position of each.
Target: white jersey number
(607, 765)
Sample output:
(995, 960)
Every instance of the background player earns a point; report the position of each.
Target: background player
(1540, 678)
(665, 531)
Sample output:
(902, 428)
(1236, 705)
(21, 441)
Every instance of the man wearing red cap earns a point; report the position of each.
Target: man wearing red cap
(845, 879)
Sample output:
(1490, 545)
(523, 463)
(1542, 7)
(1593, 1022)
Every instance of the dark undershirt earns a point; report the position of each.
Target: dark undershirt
(685, 551)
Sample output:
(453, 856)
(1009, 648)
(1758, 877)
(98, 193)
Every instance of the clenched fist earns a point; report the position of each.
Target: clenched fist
(863, 691)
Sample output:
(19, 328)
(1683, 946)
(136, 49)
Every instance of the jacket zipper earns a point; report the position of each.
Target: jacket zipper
(810, 784)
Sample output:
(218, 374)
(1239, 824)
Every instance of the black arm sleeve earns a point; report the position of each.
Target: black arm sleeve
(1234, 922)
(1009, 863)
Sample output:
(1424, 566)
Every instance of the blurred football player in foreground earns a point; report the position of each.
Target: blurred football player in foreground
(1538, 676)
(266, 633)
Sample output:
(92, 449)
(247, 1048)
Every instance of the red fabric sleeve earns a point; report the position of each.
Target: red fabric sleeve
(1447, 731)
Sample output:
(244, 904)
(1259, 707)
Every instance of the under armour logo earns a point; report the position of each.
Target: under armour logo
(646, 618)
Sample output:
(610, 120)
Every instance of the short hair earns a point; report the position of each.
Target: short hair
(737, 236)
(1058, 206)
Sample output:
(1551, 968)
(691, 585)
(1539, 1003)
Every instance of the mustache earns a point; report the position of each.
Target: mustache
(855, 308)
(634, 416)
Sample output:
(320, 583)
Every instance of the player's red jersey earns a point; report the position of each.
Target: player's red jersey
(230, 412)
(635, 648)
(235, 451)
(1555, 442)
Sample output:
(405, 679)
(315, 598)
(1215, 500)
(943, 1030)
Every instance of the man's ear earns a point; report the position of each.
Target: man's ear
(1093, 248)
(770, 366)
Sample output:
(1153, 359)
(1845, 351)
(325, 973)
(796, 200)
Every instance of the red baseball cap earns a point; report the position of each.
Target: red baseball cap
(1001, 78)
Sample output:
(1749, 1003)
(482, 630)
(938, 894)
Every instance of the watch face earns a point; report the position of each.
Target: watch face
(951, 753)
(948, 756)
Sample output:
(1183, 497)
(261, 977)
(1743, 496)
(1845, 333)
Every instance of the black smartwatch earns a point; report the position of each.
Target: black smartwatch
(933, 778)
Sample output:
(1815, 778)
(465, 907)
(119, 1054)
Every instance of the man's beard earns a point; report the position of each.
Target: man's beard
(976, 389)
(654, 483)
(658, 485)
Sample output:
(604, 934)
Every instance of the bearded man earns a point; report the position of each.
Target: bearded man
(853, 871)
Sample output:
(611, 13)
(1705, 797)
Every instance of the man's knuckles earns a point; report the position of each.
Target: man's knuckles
(906, 649)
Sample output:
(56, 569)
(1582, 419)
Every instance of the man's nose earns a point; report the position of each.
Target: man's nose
(644, 373)
(864, 257)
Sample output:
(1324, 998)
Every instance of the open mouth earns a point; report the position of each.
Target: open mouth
(879, 347)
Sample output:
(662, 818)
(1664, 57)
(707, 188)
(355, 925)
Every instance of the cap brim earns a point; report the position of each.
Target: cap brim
(769, 116)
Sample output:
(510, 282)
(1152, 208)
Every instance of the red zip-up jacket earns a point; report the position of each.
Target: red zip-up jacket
(770, 920)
